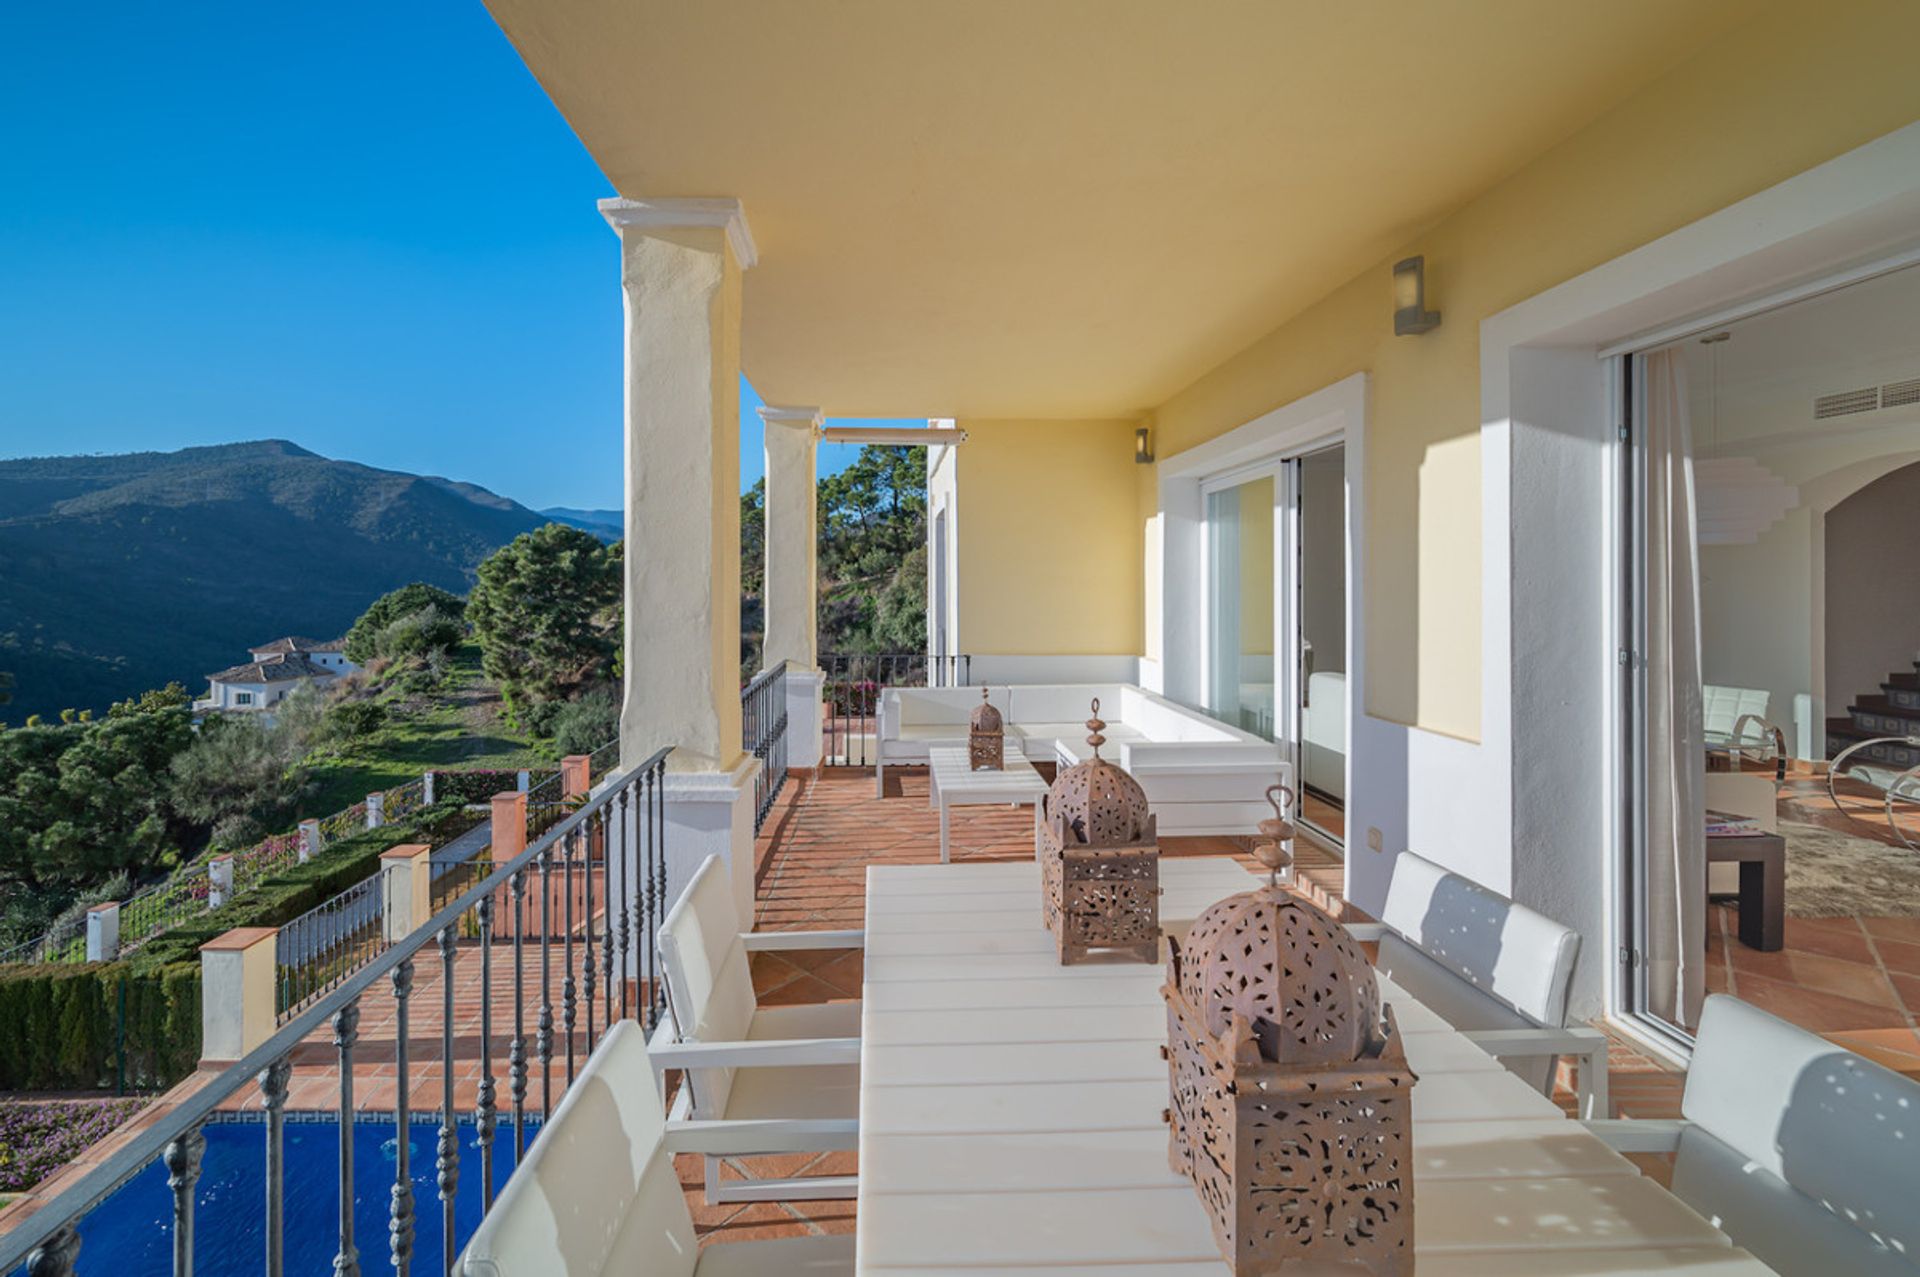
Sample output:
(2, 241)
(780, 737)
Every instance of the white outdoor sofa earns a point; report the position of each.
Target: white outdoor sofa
(1495, 970)
(1200, 775)
(1801, 1151)
(598, 1194)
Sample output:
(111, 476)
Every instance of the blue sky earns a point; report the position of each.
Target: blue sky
(360, 227)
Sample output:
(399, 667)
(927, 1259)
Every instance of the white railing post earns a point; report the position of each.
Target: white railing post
(103, 932)
(219, 881)
(525, 781)
(237, 992)
(426, 789)
(406, 889)
(376, 810)
(309, 840)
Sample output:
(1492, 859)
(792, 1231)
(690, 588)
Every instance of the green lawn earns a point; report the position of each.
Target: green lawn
(461, 724)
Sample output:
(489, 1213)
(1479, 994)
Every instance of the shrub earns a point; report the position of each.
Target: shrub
(585, 725)
(365, 640)
(38, 1139)
(66, 1025)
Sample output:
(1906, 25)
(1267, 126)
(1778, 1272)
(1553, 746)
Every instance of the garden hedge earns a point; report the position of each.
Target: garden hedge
(61, 1022)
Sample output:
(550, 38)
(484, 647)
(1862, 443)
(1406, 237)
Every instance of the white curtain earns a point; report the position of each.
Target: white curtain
(1676, 851)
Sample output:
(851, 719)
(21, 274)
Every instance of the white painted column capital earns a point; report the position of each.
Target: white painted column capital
(661, 217)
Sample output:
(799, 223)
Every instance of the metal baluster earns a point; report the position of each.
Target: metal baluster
(625, 825)
(346, 1030)
(485, 1109)
(543, 1041)
(643, 903)
(658, 792)
(182, 1160)
(612, 910)
(54, 1257)
(273, 1089)
(446, 1162)
(400, 1212)
(517, 1049)
(586, 952)
(569, 995)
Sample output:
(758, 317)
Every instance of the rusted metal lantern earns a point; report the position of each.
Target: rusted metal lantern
(986, 737)
(1099, 860)
(1292, 1106)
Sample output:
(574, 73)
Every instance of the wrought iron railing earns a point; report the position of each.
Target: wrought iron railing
(851, 688)
(160, 906)
(326, 944)
(763, 722)
(628, 816)
(546, 804)
(603, 760)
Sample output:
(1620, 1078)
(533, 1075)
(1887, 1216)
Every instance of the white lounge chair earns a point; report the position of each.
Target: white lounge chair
(1802, 1152)
(794, 1070)
(1497, 971)
(598, 1194)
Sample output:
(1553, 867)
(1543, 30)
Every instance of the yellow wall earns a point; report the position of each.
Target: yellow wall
(1776, 98)
(1048, 538)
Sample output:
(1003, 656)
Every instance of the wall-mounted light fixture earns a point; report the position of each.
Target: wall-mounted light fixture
(1142, 446)
(1410, 313)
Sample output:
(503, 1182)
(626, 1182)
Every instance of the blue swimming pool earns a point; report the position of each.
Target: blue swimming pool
(132, 1231)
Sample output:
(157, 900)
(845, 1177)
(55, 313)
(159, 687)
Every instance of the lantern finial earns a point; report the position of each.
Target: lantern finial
(1276, 833)
(1094, 728)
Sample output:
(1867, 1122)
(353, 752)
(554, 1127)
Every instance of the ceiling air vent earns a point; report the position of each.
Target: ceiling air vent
(1898, 394)
(1845, 403)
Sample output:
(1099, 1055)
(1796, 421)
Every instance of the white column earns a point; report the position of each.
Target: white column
(681, 262)
(376, 810)
(309, 840)
(103, 932)
(219, 881)
(792, 571)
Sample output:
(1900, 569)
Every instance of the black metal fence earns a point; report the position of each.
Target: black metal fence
(613, 943)
(851, 688)
(763, 722)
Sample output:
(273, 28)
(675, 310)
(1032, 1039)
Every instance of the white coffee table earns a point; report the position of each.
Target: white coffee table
(952, 782)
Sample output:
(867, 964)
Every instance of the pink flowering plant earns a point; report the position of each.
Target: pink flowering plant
(37, 1139)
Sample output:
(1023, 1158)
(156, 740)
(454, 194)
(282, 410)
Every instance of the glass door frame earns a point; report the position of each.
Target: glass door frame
(1289, 656)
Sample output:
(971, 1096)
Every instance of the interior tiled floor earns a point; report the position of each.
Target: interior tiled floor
(1854, 978)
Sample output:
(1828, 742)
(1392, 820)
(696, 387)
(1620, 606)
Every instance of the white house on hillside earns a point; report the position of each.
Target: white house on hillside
(276, 670)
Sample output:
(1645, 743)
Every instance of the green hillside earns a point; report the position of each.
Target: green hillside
(122, 573)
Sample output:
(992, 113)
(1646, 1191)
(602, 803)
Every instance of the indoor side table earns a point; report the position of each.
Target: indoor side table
(1763, 885)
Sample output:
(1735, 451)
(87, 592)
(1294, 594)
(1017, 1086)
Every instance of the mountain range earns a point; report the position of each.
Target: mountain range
(121, 573)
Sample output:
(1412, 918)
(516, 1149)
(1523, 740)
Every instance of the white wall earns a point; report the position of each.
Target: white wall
(1873, 586)
(1764, 619)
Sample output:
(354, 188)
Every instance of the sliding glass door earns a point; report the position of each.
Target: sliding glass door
(1240, 609)
(1276, 589)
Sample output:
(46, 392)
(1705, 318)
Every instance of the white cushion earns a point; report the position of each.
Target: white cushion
(1841, 1130)
(709, 983)
(596, 1193)
(1523, 958)
(1724, 706)
(1790, 1233)
(1461, 1005)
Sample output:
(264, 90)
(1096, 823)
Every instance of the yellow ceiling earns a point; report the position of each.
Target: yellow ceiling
(1071, 208)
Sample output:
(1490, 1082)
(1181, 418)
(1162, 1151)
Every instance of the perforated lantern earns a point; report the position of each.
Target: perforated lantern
(986, 737)
(1292, 1106)
(1099, 860)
